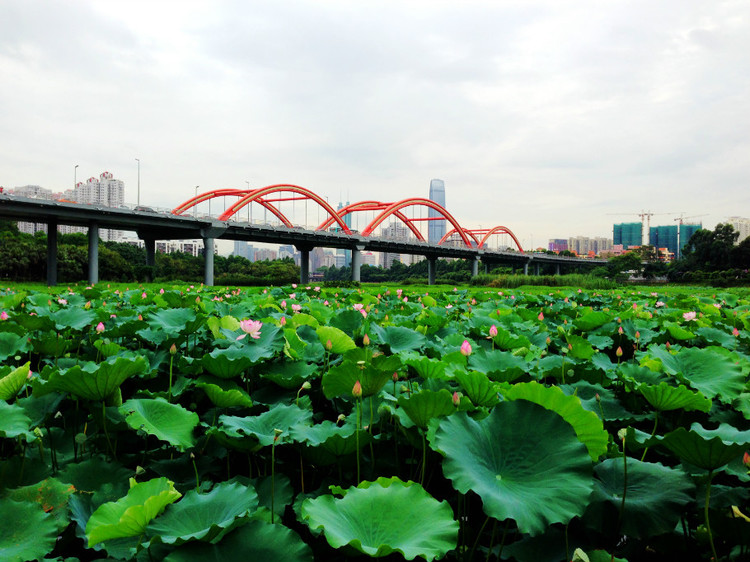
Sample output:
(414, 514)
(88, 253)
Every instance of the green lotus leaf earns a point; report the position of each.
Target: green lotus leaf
(13, 382)
(26, 532)
(129, 516)
(678, 332)
(707, 449)
(399, 338)
(481, 391)
(595, 556)
(278, 488)
(510, 458)
(667, 397)
(384, 517)
(97, 479)
(592, 320)
(12, 345)
(706, 369)
(107, 348)
(203, 516)
(508, 341)
(169, 422)
(51, 343)
(655, 499)
(270, 342)
(340, 342)
(501, 366)
(426, 368)
(216, 325)
(301, 319)
(348, 321)
(13, 420)
(340, 380)
(714, 335)
(227, 363)
(97, 382)
(52, 497)
(587, 425)
(74, 318)
(224, 393)
(263, 426)
(172, 321)
(580, 348)
(425, 405)
(287, 374)
(256, 540)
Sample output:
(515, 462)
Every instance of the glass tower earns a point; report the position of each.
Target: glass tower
(436, 228)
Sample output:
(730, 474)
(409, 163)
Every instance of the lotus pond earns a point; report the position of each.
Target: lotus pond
(298, 423)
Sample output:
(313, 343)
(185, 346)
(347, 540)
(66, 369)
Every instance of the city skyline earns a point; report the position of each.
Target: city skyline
(542, 117)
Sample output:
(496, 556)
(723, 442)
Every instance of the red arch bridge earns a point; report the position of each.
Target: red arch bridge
(332, 228)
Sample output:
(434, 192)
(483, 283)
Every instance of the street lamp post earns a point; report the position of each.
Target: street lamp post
(75, 175)
(138, 201)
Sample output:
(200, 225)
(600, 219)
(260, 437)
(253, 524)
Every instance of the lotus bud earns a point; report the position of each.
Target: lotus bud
(395, 376)
(619, 351)
(172, 349)
(357, 390)
(456, 399)
(99, 327)
(637, 335)
(329, 345)
(306, 385)
(598, 398)
(746, 459)
(493, 331)
(668, 346)
(466, 348)
(366, 340)
(619, 330)
(541, 316)
(3, 315)
(735, 332)
(87, 305)
(276, 434)
(283, 321)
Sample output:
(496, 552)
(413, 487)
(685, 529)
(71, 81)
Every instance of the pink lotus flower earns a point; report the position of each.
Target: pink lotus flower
(283, 321)
(296, 307)
(294, 285)
(357, 390)
(143, 295)
(735, 331)
(251, 328)
(466, 348)
(659, 304)
(99, 327)
(283, 304)
(358, 306)
(541, 316)
(493, 331)
(62, 301)
(688, 316)
(3, 315)
(456, 399)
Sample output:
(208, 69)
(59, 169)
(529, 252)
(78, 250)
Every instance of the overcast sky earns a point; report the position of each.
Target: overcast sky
(543, 116)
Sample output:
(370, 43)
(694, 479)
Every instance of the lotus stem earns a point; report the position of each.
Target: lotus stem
(169, 393)
(424, 458)
(357, 439)
(656, 421)
(705, 515)
(106, 433)
(273, 477)
(624, 487)
(479, 536)
(195, 469)
(492, 540)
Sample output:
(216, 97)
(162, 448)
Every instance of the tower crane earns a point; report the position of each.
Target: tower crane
(681, 219)
(645, 223)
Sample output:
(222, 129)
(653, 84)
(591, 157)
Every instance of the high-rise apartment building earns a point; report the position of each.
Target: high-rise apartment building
(672, 237)
(558, 244)
(436, 227)
(32, 192)
(628, 234)
(741, 225)
(106, 191)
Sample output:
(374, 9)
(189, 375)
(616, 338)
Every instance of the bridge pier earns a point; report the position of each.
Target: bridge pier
(52, 252)
(475, 266)
(536, 269)
(150, 245)
(93, 253)
(431, 270)
(557, 269)
(208, 261)
(526, 268)
(304, 263)
(356, 262)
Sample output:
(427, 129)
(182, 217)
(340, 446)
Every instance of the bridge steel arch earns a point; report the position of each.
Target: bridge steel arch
(395, 209)
(485, 233)
(260, 196)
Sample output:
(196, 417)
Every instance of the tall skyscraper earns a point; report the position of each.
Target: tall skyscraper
(105, 192)
(436, 228)
(741, 225)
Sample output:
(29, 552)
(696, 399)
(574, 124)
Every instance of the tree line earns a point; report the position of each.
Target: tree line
(23, 257)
